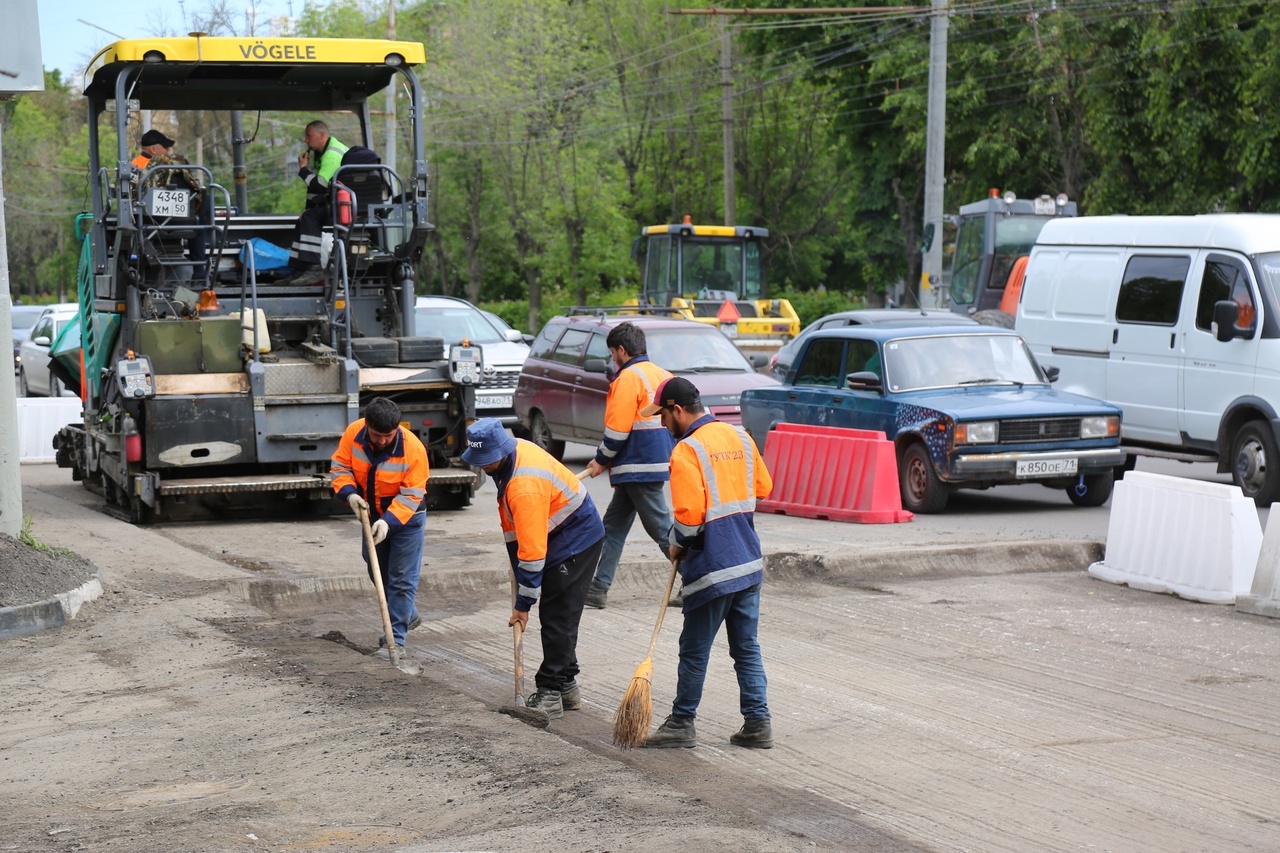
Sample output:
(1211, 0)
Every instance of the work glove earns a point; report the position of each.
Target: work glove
(379, 531)
(357, 503)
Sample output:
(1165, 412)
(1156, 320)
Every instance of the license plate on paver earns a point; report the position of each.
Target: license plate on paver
(1046, 467)
(493, 401)
(164, 202)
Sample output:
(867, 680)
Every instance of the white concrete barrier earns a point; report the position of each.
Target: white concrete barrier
(1194, 539)
(39, 419)
(1263, 598)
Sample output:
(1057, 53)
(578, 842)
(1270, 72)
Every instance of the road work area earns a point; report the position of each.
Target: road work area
(954, 683)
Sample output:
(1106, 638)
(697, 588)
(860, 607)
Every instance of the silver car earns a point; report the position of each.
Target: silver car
(34, 378)
(453, 319)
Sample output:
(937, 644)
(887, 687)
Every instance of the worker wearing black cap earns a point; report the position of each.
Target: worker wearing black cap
(154, 144)
(156, 149)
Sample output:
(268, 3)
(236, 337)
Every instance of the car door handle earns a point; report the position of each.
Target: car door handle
(791, 397)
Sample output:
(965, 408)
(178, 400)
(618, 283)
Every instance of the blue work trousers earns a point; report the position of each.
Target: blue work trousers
(400, 559)
(629, 500)
(739, 612)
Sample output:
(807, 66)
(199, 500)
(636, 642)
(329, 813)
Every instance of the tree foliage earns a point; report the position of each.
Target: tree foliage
(556, 131)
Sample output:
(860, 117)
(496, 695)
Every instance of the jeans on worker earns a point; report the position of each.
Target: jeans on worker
(629, 500)
(400, 559)
(564, 594)
(739, 612)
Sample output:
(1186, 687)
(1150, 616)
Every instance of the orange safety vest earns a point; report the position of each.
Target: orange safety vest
(397, 477)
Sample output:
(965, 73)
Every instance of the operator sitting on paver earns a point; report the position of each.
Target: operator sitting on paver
(637, 453)
(378, 457)
(327, 151)
(553, 535)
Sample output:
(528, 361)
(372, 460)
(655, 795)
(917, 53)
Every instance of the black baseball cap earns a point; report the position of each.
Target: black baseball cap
(676, 391)
(155, 137)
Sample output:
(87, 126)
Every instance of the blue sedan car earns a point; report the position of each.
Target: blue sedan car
(966, 407)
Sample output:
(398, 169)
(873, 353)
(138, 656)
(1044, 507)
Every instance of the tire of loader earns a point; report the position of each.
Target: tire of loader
(375, 352)
(420, 348)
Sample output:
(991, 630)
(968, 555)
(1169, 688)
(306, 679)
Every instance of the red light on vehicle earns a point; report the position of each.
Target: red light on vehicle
(428, 423)
(994, 192)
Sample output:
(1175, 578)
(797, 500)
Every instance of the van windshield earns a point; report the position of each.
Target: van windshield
(1268, 267)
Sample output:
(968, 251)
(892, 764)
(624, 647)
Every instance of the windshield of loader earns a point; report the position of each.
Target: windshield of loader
(732, 265)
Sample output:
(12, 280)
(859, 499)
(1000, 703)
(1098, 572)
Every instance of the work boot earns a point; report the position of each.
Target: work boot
(571, 696)
(677, 598)
(547, 701)
(674, 733)
(385, 654)
(414, 622)
(756, 734)
(597, 597)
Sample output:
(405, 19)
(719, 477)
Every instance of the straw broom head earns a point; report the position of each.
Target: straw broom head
(631, 722)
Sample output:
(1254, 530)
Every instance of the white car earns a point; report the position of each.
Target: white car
(34, 379)
(454, 319)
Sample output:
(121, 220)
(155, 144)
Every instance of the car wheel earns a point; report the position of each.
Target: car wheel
(540, 434)
(922, 491)
(1252, 453)
(55, 386)
(1092, 490)
(24, 390)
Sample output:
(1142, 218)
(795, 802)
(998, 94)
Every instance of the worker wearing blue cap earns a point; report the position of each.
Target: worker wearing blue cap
(554, 535)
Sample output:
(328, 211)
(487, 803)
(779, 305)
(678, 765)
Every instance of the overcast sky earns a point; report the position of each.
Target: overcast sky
(68, 44)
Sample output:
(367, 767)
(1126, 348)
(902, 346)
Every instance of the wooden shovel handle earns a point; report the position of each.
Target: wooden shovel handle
(377, 583)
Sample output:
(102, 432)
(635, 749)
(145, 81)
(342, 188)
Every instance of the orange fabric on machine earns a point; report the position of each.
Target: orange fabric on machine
(1013, 287)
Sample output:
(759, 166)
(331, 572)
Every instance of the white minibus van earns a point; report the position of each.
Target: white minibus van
(1176, 320)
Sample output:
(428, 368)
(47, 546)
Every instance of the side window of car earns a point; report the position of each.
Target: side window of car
(1151, 291)
(822, 364)
(541, 346)
(44, 327)
(572, 343)
(863, 355)
(598, 347)
(1225, 279)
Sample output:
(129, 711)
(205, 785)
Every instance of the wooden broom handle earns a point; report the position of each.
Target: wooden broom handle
(662, 611)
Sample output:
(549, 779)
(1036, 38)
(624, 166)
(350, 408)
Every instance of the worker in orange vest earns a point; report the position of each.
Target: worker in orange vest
(382, 467)
(553, 536)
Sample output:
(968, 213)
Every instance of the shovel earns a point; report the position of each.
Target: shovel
(406, 666)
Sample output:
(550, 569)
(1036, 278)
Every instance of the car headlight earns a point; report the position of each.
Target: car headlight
(1100, 426)
(978, 432)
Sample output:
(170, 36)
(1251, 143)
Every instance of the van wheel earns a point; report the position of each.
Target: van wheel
(540, 434)
(1092, 490)
(922, 491)
(24, 390)
(1252, 454)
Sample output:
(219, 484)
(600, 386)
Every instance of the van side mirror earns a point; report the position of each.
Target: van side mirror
(926, 238)
(595, 365)
(1050, 372)
(758, 359)
(863, 380)
(1225, 315)
(635, 249)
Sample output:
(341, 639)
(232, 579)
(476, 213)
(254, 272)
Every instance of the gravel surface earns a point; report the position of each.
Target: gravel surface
(29, 574)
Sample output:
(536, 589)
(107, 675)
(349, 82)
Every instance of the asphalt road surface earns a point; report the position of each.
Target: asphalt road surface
(953, 683)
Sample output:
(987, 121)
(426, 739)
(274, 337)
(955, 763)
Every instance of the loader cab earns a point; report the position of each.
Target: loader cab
(701, 263)
(991, 236)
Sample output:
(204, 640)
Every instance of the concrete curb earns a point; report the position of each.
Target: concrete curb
(869, 566)
(24, 619)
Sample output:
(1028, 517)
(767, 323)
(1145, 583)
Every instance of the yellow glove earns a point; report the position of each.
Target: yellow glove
(379, 531)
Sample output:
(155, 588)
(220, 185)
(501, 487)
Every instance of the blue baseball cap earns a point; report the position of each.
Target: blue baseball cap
(487, 442)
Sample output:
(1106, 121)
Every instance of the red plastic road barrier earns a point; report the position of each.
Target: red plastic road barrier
(833, 474)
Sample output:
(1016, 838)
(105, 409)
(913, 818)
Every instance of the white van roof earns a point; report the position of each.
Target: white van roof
(1247, 233)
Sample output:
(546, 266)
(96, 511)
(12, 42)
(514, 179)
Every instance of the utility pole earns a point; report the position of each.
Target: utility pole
(389, 155)
(726, 118)
(935, 146)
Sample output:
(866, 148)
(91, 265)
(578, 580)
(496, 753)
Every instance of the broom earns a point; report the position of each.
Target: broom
(631, 722)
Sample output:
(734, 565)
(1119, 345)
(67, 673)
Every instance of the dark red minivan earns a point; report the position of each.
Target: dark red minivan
(561, 392)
